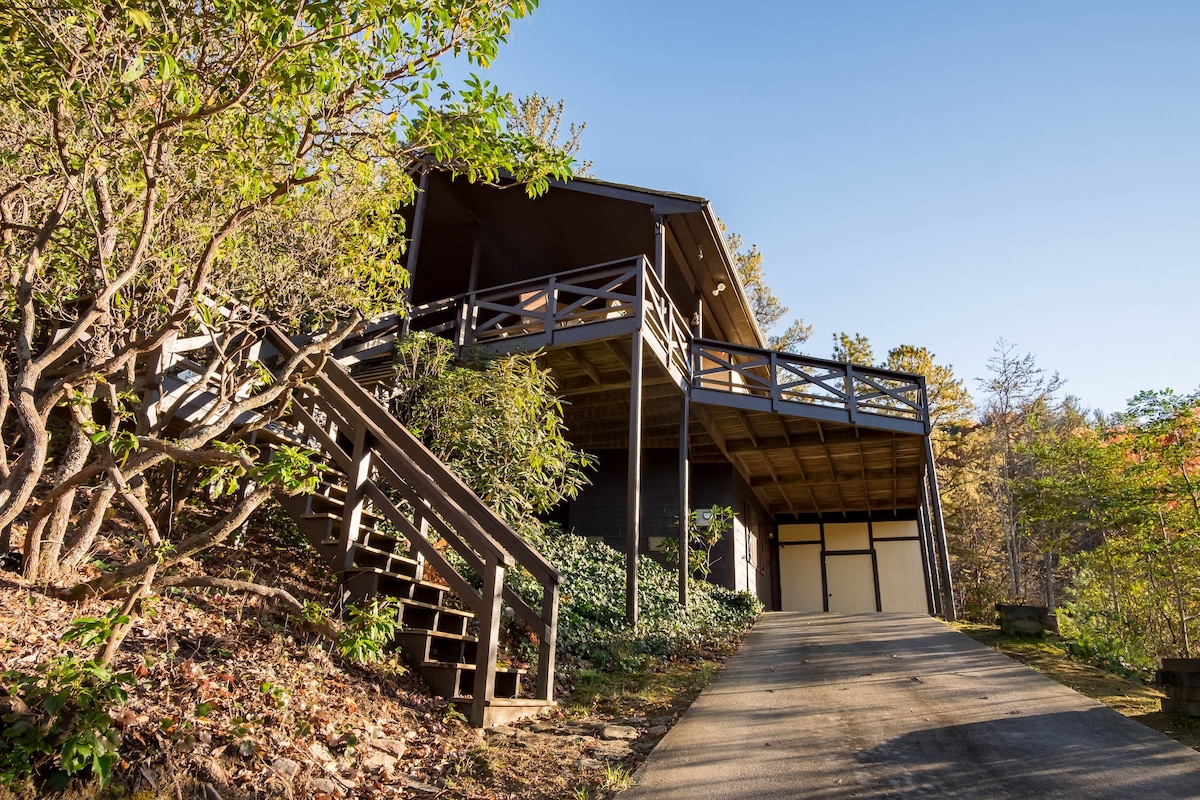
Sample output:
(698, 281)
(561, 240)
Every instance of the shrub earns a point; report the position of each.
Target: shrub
(591, 618)
(57, 722)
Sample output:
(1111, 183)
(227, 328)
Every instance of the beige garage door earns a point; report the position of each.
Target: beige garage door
(852, 566)
(800, 568)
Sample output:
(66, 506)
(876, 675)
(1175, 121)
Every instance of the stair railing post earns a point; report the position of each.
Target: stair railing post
(418, 556)
(939, 531)
(352, 509)
(547, 643)
(487, 649)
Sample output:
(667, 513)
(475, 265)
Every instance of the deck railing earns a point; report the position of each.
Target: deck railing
(823, 389)
(619, 297)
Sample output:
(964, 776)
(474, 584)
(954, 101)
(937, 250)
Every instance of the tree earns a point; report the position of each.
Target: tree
(1017, 393)
(496, 422)
(766, 307)
(853, 349)
(198, 170)
(540, 119)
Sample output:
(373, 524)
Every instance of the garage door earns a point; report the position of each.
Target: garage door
(852, 567)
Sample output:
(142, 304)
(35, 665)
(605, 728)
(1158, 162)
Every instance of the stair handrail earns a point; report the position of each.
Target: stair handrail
(495, 535)
(479, 535)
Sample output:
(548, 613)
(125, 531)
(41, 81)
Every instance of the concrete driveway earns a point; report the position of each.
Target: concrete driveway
(899, 705)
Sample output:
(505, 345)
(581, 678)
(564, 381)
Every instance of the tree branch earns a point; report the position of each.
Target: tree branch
(282, 596)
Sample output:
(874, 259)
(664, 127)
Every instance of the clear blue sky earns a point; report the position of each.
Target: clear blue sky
(933, 173)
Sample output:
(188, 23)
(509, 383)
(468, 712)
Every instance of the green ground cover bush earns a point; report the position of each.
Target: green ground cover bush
(592, 629)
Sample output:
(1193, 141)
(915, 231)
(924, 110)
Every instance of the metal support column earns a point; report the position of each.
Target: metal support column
(685, 508)
(633, 490)
(939, 529)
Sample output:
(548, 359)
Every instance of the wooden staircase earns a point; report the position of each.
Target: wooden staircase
(385, 517)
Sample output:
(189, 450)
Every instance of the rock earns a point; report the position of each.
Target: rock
(584, 764)
(655, 722)
(392, 747)
(378, 761)
(657, 731)
(543, 727)
(420, 786)
(610, 750)
(285, 768)
(324, 786)
(503, 732)
(617, 732)
(320, 753)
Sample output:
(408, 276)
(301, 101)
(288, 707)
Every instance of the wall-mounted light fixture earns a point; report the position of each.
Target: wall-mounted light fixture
(720, 288)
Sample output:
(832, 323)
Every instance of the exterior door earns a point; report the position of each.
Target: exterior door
(851, 582)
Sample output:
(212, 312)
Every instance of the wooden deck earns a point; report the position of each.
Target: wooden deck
(810, 436)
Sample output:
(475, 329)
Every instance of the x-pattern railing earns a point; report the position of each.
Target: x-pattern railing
(542, 306)
(775, 379)
(626, 295)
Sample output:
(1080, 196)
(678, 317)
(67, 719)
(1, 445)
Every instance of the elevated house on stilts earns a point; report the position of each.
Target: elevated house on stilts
(632, 299)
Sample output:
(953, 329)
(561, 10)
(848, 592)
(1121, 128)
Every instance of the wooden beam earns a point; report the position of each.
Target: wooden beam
(741, 415)
(619, 353)
(588, 368)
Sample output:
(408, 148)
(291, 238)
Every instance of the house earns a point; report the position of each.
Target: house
(632, 299)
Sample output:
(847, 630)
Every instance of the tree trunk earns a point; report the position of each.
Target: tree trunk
(51, 533)
(1048, 563)
(1176, 589)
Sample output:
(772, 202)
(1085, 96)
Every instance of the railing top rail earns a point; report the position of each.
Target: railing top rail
(494, 536)
(538, 282)
(657, 286)
(809, 361)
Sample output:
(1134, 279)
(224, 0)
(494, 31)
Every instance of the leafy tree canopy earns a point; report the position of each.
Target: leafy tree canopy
(540, 119)
(175, 169)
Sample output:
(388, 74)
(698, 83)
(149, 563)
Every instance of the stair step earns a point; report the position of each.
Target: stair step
(456, 682)
(368, 519)
(363, 582)
(423, 616)
(436, 647)
(503, 710)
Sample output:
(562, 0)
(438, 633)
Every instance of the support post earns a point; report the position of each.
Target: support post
(933, 594)
(352, 508)
(547, 643)
(633, 486)
(660, 248)
(476, 260)
(414, 248)
(484, 690)
(939, 530)
(685, 508)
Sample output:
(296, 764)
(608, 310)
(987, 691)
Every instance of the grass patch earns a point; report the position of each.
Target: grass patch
(1125, 695)
(666, 687)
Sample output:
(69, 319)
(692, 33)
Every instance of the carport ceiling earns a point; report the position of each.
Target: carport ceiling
(793, 465)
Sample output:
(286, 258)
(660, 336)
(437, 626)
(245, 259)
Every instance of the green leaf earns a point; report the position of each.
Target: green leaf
(135, 70)
(139, 18)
